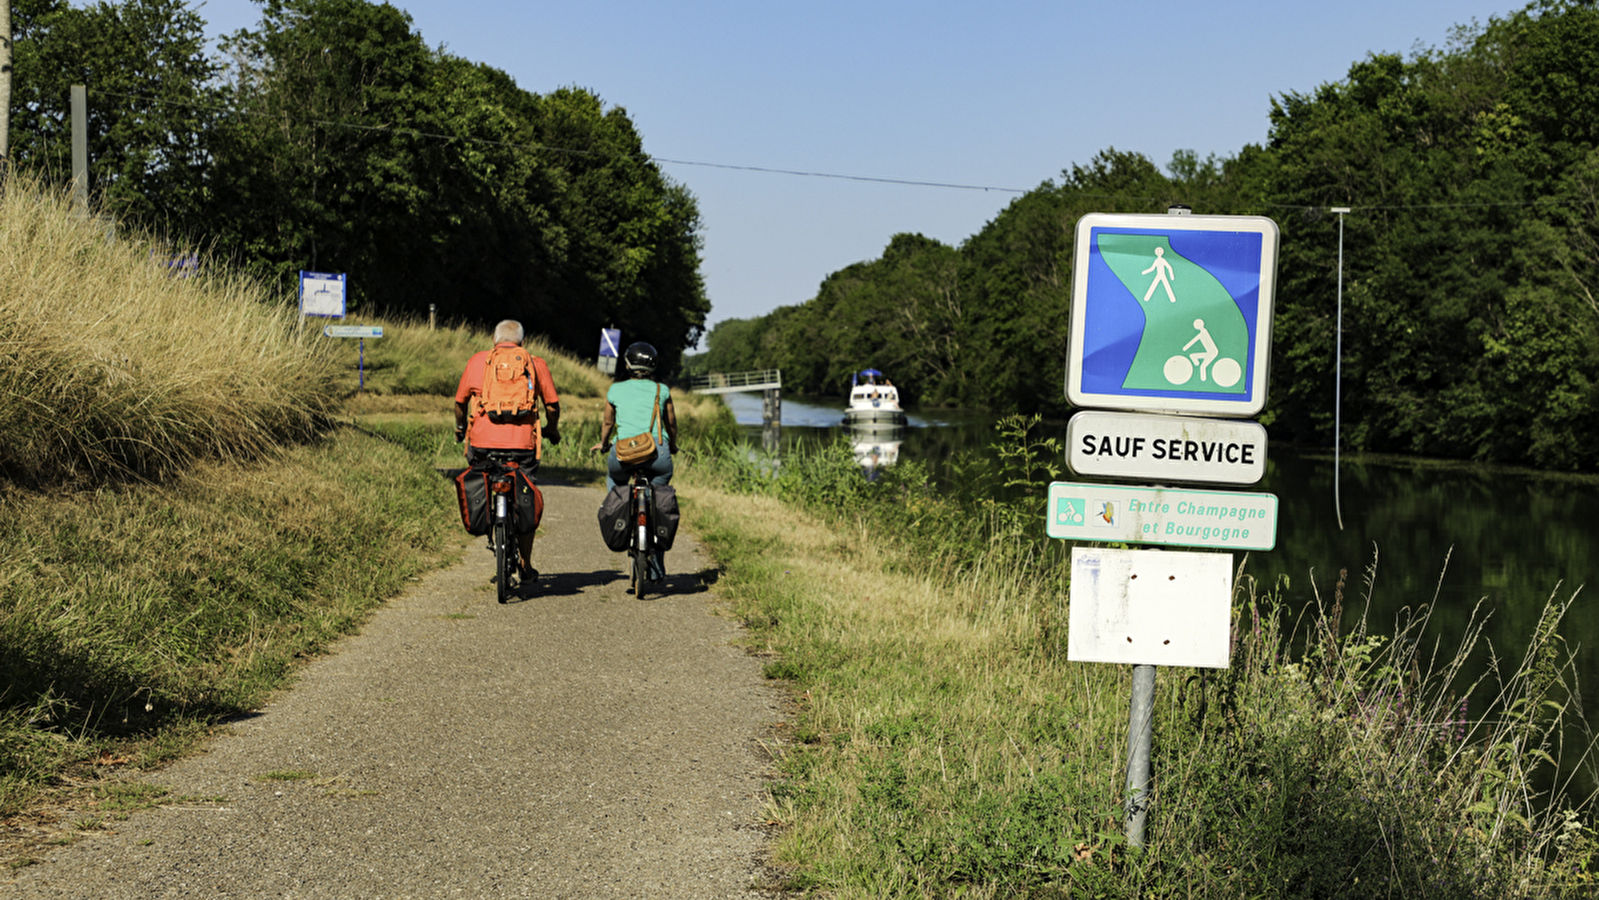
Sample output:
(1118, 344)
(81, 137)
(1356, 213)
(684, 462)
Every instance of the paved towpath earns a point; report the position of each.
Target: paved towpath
(579, 744)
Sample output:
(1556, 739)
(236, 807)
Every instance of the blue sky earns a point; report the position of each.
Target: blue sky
(999, 94)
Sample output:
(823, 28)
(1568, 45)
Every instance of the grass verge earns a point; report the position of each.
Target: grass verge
(945, 747)
(136, 618)
(413, 359)
(195, 497)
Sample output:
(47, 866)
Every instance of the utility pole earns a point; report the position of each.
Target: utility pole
(1338, 374)
(5, 83)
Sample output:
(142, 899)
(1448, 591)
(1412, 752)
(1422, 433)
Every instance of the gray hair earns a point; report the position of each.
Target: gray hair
(508, 331)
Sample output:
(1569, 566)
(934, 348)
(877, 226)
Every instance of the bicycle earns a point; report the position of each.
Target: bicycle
(502, 530)
(641, 543)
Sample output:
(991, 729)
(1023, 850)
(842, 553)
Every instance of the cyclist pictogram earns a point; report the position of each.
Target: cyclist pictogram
(1224, 373)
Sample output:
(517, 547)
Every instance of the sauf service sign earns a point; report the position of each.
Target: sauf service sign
(1172, 313)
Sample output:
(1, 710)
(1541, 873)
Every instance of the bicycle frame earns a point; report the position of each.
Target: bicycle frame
(502, 527)
(641, 538)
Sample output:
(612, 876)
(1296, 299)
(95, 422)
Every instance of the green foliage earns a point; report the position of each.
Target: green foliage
(332, 138)
(151, 102)
(949, 749)
(1470, 323)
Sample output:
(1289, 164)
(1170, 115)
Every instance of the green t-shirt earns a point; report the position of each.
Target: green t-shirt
(632, 399)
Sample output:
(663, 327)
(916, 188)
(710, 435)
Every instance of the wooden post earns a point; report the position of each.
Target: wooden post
(80, 149)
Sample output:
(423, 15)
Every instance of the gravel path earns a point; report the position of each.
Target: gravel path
(578, 744)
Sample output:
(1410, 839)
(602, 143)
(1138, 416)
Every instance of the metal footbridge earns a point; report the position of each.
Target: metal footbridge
(736, 382)
(769, 382)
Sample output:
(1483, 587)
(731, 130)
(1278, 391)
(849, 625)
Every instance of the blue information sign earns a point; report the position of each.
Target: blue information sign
(322, 294)
(1172, 313)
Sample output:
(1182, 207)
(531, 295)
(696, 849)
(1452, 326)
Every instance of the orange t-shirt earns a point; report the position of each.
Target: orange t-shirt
(483, 433)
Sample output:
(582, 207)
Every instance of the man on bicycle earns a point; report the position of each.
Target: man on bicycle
(520, 437)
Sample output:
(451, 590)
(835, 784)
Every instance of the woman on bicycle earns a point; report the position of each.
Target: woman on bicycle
(632, 406)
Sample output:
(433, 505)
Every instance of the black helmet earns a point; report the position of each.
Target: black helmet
(640, 358)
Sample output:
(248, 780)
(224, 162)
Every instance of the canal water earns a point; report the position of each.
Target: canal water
(1459, 539)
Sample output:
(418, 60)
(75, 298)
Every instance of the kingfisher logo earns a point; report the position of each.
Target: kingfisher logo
(1104, 514)
(1071, 511)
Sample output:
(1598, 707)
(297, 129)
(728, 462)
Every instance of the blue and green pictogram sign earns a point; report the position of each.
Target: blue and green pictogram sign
(1172, 313)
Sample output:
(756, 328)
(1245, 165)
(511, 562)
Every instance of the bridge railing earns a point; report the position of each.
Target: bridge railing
(732, 382)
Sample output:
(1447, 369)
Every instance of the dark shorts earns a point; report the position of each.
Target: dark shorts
(527, 459)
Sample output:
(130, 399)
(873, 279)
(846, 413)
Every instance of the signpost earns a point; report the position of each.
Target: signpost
(361, 333)
(322, 294)
(1171, 315)
(610, 341)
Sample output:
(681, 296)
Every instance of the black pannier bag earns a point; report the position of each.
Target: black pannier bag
(529, 503)
(472, 491)
(666, 517)
(615, 517)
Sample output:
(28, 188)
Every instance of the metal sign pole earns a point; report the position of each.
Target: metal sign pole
(1140, 735)
(360, 364)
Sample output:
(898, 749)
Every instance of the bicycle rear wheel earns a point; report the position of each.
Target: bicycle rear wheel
(640, 573)
(504, 560)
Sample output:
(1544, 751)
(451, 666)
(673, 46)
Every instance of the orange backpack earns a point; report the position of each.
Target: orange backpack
(509, 385)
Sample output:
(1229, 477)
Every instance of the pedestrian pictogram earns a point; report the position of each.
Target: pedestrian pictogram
(1172, 313)
(1162, 270)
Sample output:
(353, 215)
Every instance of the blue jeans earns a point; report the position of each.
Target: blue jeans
(660, 470)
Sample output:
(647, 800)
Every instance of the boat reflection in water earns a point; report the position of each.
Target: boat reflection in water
(876, 447)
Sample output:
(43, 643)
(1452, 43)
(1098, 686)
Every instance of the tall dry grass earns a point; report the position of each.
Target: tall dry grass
(112, 366)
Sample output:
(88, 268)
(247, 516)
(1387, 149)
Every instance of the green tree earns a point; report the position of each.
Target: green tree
(321, 162)
(151, 103)
(432, 180)
(628, 248)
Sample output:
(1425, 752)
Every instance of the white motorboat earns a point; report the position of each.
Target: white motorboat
(873, 402)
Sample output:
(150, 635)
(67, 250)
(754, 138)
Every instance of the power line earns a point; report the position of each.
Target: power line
(519, 145)
(767, 170)
(804, 174)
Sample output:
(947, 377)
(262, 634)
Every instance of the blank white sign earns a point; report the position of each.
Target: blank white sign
(1150, 607)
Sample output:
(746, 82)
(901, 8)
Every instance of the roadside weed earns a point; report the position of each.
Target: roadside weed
(943, 746)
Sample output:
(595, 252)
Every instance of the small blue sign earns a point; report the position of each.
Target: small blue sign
(610, 339)
(1172, 313)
